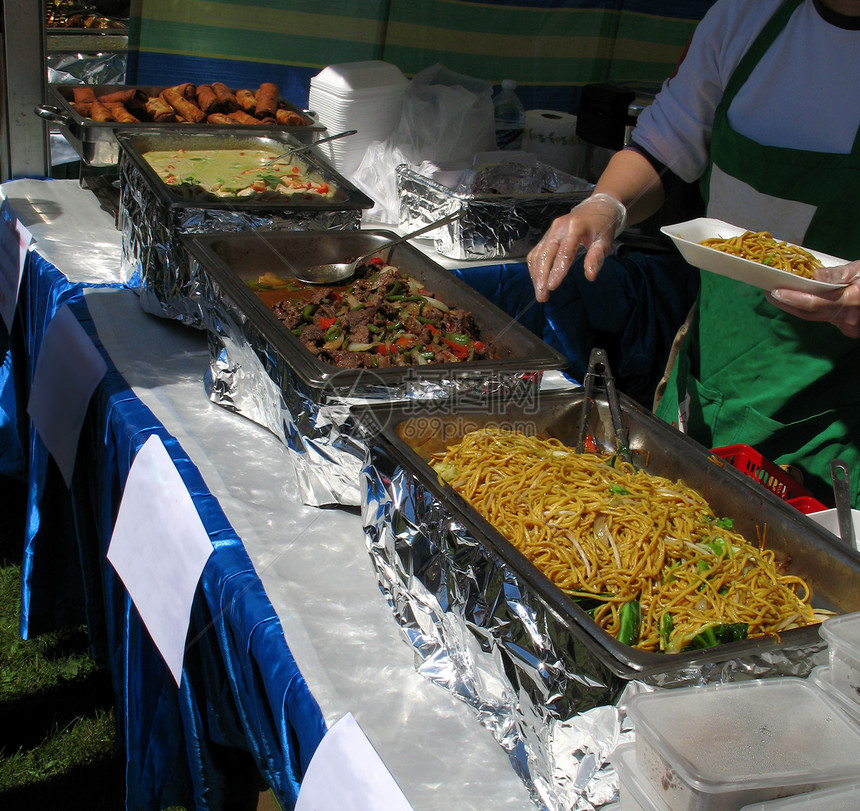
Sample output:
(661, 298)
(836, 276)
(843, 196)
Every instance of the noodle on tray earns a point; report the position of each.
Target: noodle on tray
(644, 555)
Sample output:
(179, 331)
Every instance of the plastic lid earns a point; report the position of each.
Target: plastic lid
(348, 77)
(843, 632)
(746, 735)
(509, 84)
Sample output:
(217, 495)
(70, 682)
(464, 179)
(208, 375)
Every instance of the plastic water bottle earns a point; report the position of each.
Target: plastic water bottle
(510, 116)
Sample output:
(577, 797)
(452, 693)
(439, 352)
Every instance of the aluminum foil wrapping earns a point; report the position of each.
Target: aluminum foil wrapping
(249, 376)
(156, 265)
(506, 207)
(87, 68)
(480, 631)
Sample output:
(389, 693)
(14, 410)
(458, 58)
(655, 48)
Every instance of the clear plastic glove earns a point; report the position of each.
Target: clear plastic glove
(593, 224)
(840, 307)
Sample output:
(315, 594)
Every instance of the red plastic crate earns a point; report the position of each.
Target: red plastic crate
(750, 461)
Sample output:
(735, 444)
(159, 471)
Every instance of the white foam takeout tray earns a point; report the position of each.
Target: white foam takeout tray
(687, 237)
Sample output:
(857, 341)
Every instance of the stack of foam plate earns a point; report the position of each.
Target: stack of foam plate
(363, 96)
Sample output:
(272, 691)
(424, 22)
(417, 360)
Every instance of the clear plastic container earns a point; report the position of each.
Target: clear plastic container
(822, 678)
(510, 116)
(842, 635)
(718, 747)
(839, 798)
(635, 794)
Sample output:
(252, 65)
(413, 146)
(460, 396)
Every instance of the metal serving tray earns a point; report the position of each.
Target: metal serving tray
(406, 441)
(152, 218)
(96, 142)
(134, 145)
(230, 261)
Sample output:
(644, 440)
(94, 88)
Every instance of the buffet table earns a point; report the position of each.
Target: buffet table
(289, 630)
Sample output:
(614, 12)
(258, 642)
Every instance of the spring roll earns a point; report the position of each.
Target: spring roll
(83, 94)
(187, 90)
(121, 113)
(241, 117)
(289, 118)
(185, 108)
(226, 99)
(82, 109)
(220, 118)
(206, 98)
(266, 100)
(125, 97)
(99, 112)
(247, 100)
(159, 110)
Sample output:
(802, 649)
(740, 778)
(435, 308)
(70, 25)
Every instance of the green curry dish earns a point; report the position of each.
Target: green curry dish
(235, 173)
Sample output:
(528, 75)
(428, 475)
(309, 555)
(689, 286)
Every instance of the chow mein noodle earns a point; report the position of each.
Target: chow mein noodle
(761, 247)
(644, 555)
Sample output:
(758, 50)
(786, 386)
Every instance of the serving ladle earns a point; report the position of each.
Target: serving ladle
(335, 272)
(304, 147)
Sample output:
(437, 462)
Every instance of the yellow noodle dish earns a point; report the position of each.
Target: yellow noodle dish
(236, 173)
(645, 556)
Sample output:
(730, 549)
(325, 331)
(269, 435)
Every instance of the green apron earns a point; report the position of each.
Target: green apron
(749, 373)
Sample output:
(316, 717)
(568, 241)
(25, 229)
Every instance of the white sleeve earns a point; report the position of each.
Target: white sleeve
(676, 128)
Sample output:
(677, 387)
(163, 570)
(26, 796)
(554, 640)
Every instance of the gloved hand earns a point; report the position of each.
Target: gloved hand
(593, 224)
(840, 307)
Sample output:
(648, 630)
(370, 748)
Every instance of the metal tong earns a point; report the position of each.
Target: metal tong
(842, 495)
(598, 370)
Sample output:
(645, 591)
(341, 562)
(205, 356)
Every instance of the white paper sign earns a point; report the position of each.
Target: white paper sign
(68, 369)
(158, 548)
(346, 772)
(15, 239)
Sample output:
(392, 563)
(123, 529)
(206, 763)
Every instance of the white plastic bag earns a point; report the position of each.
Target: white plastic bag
(446, 118)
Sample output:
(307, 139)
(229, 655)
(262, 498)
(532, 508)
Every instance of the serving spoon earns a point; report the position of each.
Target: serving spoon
(304, 147)
(335, 272)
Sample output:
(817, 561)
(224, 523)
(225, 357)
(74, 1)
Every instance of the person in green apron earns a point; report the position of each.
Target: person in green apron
(775, 371)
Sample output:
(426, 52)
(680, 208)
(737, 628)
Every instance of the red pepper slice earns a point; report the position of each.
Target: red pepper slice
(325, 323)
(377, 260)
(459, 350)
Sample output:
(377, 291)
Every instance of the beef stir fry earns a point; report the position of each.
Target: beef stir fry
(384, 318)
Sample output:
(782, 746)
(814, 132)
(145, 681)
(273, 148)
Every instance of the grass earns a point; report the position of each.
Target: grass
(58, 746)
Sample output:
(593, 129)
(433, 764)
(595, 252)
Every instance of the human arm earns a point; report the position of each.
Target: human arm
(630, 188)
(840, 307)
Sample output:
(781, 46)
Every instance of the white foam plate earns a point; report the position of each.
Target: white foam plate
(687, 236)
(830, 521)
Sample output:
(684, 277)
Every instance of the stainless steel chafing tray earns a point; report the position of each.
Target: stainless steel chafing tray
(152, 218)
(96, 142)
(399, 452)
(135, 144)
(261, 370)
(230, 261)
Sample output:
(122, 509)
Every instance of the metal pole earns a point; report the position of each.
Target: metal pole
(24, 138)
